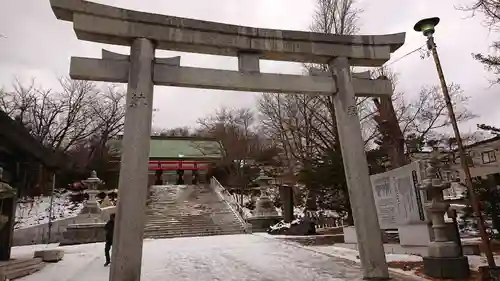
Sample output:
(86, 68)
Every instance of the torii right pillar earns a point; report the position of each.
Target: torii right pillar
(371, 249)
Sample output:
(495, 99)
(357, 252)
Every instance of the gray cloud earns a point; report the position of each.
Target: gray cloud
(38, 45)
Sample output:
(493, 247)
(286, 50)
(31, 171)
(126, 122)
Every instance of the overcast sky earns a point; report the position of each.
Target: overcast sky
(40, 46)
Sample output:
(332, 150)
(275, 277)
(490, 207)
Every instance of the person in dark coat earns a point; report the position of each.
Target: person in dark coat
(109, 228)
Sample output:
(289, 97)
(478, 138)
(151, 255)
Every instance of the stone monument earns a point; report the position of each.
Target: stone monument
(445, 259)
(145, 32)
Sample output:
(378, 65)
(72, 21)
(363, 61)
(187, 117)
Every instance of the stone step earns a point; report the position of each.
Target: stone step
(188, 219)
(187, 212)
(214, 232)
(187, 224)
(20, 268)
(18, 263)
(186, 234)
(188, 227)
(202, 225)
(179, 217)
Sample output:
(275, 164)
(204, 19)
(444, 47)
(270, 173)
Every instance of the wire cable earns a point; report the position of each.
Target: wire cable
(405, 55)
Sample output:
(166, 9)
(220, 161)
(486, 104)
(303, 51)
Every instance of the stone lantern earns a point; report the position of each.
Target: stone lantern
(264, 205)
(88, 226)
(444, 258)
(91, 206)
(265, 214)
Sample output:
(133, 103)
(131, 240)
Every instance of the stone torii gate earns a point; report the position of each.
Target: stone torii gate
(145, 32)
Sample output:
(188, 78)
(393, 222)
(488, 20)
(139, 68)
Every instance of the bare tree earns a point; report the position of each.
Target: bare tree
(424, 116)
(78, 116)
(336, 17)
(402, 120)
(236, 131)
(305, 127)
(490, 9)
(174, 132)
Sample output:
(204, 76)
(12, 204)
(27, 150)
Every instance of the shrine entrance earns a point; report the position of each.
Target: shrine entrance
(179, 169)
(144, 33)
(179, 160)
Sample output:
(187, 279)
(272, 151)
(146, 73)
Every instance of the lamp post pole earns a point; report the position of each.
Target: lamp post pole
(427, 27)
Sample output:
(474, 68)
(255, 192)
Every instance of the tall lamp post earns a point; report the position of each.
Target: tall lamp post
(426, 26)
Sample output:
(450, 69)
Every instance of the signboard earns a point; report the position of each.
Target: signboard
(397, 197)
(385, 200)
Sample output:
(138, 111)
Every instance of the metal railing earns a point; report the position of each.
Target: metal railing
(235, 207)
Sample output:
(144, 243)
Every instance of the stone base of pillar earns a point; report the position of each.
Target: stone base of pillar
(489, 273)
(447, 268)
(262, 224)
(443, 249)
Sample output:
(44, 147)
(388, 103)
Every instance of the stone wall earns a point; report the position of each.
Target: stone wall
(38, 234)
(83, 234)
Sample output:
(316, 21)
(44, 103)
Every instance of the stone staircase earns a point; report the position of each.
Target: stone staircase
(17, 268)
(187, 211)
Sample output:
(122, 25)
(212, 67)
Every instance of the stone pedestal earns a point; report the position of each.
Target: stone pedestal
(489, 273)
(262, 224)
(447, 268)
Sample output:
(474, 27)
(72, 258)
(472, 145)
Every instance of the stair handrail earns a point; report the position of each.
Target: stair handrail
(235, 207)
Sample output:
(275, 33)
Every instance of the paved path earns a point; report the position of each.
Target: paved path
(224, 258)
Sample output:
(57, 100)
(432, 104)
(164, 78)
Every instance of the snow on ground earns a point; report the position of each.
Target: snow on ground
(474, 261)
(35, 211)
(349, 254)
(341, 252)
(352, 255)
(233, 257)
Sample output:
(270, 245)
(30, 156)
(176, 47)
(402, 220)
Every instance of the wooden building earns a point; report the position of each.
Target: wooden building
(27, 167)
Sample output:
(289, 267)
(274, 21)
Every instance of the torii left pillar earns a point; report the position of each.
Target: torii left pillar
(130, 217)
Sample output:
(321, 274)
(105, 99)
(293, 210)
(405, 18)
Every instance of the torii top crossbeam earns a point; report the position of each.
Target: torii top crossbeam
(111, 25)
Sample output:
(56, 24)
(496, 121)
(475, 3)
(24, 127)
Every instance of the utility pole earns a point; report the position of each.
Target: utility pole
(426, 26)
(51, 205)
